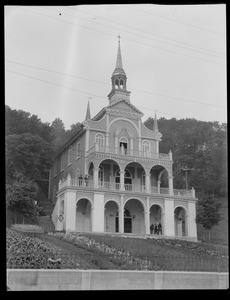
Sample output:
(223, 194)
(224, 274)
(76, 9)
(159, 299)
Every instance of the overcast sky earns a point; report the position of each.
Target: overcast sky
(58, 57)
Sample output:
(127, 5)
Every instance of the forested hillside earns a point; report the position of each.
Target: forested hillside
(197, 145)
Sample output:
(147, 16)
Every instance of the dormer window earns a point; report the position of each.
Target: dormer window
(99, 140)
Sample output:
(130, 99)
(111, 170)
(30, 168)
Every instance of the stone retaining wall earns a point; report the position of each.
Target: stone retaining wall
(25, 280)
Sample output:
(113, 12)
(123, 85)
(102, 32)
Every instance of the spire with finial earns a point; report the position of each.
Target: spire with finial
(155, 126)
(119, 78)
(88, 115)
(119, 68)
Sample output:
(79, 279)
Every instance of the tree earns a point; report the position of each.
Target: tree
(58, 128)
(208, 214)
(21, 196)
(29, 154)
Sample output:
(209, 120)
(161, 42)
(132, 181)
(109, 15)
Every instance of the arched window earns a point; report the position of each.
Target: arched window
(101, 176)
(146, 148)
(78, 149)
(99, 140)
(70, 155)
(116, 84)
(121, 84)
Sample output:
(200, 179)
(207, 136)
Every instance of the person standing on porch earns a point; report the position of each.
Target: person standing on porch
(159, 229)
(151, 229)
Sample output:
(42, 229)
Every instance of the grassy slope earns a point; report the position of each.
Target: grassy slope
(219, 233)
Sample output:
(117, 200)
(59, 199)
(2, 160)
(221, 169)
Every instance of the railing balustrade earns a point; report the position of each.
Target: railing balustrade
(84, 183)
(128, 152)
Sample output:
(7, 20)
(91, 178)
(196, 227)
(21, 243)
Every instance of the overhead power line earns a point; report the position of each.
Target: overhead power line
(176, 21)
(79, 91)
(200, 49)
(138, 42)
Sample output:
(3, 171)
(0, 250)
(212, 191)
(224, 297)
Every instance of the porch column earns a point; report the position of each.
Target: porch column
(147, 183)
(139, 146)
(163, 222)
(158, 187)
(70, 210)
(116, 144)
(191, 220)
(169, 218)
(122, 180)
(98, 213)
(131, 146)
(170, 178)
(157, 147)
(147, 221)
(107, 142)
(121, 215)
(95, 177)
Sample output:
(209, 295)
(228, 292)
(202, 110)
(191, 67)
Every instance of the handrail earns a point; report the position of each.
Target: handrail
(128, 152)
(86, 183)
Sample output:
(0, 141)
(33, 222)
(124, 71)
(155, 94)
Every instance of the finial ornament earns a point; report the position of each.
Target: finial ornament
(119, 37)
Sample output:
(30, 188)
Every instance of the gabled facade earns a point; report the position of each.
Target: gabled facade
(110, 176)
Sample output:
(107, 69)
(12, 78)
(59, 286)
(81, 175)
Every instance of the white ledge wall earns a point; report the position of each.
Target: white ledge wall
(26, 280)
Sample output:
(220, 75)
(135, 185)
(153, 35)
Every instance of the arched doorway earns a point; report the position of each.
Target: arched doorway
(180, 221)
(111, 219)
(156, 216)
(83, 216)
(134, 217)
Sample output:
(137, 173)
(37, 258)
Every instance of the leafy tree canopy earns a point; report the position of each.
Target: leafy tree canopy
(21, 195)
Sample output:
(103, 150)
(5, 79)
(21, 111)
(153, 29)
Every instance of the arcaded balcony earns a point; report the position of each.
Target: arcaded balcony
(129, 188)
(129, 152)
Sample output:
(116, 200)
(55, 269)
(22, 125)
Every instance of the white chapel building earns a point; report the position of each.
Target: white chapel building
(110, 177)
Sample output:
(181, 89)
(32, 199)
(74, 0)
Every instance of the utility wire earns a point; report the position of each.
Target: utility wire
(139, 90)
(172, 20)
(148, 45)
(153, 34)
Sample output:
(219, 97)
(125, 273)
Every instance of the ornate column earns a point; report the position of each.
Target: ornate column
(131, 146)
(107, 142)
(147, 221)
(116, 144)
(158, 187)
(170, 178)
(139, 145)
(147, 182)
(157, 147)
(121, 215)
(95, 177)
(122, 180)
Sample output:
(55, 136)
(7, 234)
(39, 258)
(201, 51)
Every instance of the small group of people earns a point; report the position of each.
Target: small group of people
(156, 229)
(83, 180)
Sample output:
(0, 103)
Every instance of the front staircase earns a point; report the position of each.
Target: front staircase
(43, 201)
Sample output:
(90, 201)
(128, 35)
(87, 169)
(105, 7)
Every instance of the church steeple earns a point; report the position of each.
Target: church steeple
(155, 126)
(88, 115)
(119, 79)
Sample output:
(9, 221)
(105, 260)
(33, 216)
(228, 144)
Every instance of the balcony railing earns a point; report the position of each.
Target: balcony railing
(128, 152)
(113, 186)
